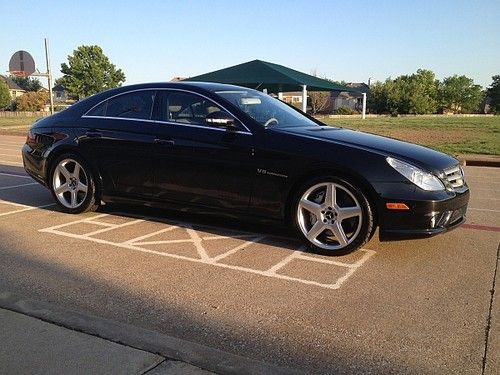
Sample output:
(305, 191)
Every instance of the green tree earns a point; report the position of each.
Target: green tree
(5, 99)
(89, 71)
(494, 93)
(377, 98)
(27, 83)
(460, 94)
(423, 92)
(414, 94)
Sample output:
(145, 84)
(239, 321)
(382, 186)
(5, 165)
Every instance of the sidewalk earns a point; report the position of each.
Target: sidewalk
(42, 338)
(32, 346)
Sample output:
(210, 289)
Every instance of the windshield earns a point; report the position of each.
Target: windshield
(266, 110)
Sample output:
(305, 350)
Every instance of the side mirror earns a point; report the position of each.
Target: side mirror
(221, 119)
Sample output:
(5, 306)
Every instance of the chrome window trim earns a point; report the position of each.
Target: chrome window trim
(170, 123)
(120, 118)
(167, 122)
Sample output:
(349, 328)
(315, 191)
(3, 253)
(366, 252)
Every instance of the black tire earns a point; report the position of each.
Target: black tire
(63, 183)
(327, 228)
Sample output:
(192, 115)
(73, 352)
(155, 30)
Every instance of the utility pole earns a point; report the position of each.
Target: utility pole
(48, 74)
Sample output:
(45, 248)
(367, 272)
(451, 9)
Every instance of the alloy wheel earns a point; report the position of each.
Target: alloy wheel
(70, 183)
(329, 216)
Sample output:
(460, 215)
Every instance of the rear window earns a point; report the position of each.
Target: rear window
(134, 105)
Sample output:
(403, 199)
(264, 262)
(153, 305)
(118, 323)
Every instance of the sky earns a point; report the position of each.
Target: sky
(353, 41)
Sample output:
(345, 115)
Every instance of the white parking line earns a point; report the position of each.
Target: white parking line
(283, 263)
(138, 243)
(23, 207)
(13, 175)
(99, 231)
(17, 186)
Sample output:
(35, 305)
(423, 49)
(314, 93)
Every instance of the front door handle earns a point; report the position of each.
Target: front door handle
(164, 142)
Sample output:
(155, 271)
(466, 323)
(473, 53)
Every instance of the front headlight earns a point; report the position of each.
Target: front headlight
(423, 180)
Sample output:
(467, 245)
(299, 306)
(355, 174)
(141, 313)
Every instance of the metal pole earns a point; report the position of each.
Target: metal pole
(364, 105)
(304, 98)
(49, 76)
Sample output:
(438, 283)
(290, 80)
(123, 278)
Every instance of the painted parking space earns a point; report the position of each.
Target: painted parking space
(258, 254)
(255, 293)
(14, 198)
(12, 181)
(10, 208)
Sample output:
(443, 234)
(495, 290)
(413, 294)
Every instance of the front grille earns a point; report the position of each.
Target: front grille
(455, 176)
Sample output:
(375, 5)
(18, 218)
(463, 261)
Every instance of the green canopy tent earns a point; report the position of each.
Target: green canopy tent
(263, 75)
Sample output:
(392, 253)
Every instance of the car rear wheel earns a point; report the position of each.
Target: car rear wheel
(72, 184)
(333, 216)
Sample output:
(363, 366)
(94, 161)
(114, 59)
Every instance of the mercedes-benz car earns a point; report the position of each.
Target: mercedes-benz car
(208, 147)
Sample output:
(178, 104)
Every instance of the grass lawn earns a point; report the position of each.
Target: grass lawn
(450, 134)
(16, 125)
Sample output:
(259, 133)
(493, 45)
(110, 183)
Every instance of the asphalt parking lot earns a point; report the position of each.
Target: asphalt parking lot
(427, 306)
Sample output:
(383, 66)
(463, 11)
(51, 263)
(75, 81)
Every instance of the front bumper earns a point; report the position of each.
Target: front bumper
(425, 218)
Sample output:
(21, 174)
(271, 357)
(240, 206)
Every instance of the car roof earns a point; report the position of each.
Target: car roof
(207, 88)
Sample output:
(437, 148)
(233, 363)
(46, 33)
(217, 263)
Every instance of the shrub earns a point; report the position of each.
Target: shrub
(32, 101)
(345, 111)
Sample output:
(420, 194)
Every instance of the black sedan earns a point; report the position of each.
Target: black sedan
(213, 147)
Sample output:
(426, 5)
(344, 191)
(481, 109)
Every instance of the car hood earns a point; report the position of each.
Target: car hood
(409, 152)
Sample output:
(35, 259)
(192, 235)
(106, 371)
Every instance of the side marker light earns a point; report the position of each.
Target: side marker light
(396, 206)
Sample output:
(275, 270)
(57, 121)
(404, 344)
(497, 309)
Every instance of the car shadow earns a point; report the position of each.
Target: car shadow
(217, 224)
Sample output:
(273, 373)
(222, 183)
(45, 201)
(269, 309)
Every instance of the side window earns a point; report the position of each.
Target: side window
(137, 105)
(99, 110)
(188, 108)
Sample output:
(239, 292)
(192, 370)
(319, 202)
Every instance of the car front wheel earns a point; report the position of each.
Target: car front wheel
(72, 184)
(333, 216)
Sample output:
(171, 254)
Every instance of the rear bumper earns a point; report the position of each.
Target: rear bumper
(424, 218)
(34, 164)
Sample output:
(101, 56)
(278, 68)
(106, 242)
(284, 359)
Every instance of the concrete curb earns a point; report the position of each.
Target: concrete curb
(167, 346)
(480, 160)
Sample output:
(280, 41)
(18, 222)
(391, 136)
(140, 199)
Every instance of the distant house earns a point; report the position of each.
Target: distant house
(293, 98)
(14, 90)
(338, 99)
(352, 100)
(61, 96)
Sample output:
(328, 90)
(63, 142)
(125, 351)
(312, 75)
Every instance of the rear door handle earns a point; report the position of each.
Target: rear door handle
(93, 134)
(164, 142)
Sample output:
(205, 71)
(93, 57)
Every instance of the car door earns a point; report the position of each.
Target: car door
(119, 137)
(197, 163)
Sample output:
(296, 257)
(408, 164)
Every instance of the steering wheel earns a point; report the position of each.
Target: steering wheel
(272, 119)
